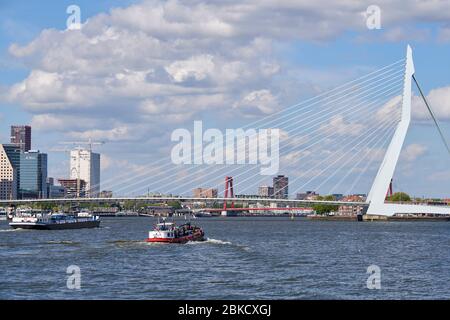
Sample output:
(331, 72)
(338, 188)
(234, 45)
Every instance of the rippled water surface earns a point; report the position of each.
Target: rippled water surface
(243, 258)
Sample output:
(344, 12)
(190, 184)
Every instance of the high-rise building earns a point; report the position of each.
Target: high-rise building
(33, 175)
(205, 193)
(338, 196)
(8, 176)
(308, 195)
(85, 165)
(54, 191)
(21, 136)
(73, 188)
(9, 171)
(51, 181)
(265, 191)
(105, 194)
(280, 187)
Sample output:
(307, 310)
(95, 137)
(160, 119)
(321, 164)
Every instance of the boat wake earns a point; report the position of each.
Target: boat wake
(11, 230)
(217, 242)
(126, 243)
(210, 241)
(64, 242)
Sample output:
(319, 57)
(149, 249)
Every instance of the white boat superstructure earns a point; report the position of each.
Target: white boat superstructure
(84, 213)
(28, 212)
(24, 219)
(164, 230)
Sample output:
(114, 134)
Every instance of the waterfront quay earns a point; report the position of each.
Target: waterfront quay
(313, 209)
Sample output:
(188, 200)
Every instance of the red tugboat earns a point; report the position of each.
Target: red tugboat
(170, 233)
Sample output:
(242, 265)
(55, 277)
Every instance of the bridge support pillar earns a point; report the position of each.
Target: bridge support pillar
(228, 193)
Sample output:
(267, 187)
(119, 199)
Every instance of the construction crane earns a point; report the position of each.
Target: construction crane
(89, 143)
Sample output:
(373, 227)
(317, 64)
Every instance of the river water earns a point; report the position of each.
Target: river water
(243, 258)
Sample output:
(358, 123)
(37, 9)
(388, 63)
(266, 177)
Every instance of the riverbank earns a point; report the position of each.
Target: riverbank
(405, 218)
(317, 217)
(332, 218)
(377, 218)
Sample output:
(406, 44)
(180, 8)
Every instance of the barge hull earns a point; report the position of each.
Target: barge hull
(56, 226)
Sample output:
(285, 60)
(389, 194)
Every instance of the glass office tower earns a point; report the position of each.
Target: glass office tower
(33, 175)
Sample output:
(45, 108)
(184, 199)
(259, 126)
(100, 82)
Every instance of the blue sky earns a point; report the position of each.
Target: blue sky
(305, 49)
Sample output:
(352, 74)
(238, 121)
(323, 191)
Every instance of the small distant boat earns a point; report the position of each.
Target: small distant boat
(120, 214)
(146, 215)
(127, 213)
(203, 214)
(3, 214)
(55, 221)
(168, 232)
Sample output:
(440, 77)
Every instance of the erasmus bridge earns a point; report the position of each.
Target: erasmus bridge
(375, 113)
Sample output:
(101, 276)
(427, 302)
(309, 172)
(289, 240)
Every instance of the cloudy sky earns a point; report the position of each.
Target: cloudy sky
(137, 70)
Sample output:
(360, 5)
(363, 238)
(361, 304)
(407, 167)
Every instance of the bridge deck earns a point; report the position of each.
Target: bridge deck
(117, 199)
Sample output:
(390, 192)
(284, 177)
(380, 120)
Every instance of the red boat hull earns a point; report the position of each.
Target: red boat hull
(193, 237)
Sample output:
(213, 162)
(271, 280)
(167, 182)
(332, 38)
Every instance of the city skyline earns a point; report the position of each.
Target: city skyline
(290, 67)
(24, 172)
(87, 183)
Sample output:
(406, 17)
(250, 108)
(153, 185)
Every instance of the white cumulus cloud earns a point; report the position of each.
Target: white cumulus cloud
(413, 151)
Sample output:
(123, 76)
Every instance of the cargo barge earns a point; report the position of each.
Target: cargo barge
(55, 221)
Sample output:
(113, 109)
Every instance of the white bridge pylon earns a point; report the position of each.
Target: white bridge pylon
(377, 194)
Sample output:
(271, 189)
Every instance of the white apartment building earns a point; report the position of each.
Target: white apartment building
(85, 165)
(8, 177)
